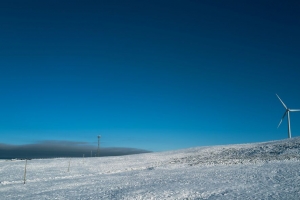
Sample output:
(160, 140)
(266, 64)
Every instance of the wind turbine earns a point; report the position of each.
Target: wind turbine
(287, 111)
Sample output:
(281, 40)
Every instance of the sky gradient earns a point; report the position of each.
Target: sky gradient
(153, 75)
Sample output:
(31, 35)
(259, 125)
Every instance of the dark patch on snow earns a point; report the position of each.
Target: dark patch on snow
(239, 154)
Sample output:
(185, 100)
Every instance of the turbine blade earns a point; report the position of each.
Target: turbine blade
(281, 101)
(282, 118)
(295, 110)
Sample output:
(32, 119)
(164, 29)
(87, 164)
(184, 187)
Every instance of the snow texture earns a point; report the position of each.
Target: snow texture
(268, 170)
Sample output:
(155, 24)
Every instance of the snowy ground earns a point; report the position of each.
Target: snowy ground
(251, 171)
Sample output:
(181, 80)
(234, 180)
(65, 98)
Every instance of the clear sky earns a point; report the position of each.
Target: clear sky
(153, 75)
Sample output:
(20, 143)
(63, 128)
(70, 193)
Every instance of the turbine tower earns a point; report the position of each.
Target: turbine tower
(287, 111)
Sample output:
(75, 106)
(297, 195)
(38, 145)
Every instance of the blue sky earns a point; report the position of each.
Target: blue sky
(154, 75)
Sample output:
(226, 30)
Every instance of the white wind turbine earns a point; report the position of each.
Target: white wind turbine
(287, 111)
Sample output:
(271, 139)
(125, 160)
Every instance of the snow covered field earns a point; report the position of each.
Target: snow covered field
(251, 171)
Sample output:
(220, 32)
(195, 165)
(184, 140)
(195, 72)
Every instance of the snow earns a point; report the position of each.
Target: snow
(268, 170)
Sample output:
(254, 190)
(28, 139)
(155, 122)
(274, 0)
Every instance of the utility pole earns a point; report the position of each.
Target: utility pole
(69, 165)
(25, 172)
(98, 150)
